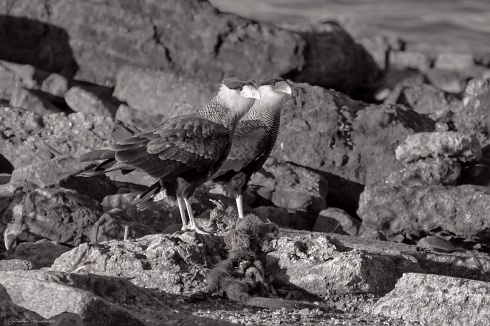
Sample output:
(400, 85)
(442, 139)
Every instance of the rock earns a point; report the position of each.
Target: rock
(48, 172)
(31, 293)
(335, 220)
(427, 172)
(57, 214)
(29, 138)
(187, 36)
(424, 98)
(157, 216)
(410, 59)
(473, 115)
(96, 187)
(434, 299)
(111, 226)
(450, 144)
(42, 253)
(300, 253)
(161, 93)
(315, 264)
(15, 265)
(92, 99)
(32, 101)
(282, 217)
(454, 61)
(10, 312)
(156, 261)
(459, 210)
(449, 81)
(14, 76)
(112, 289)
(291, 187)
(141, 120)
(350, 139)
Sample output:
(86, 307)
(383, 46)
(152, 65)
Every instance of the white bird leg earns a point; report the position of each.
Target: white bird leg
(180, 201)
(239, 205)
(192, 222)
(126, 232)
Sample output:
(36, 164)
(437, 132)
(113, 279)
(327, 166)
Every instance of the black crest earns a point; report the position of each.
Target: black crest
(235, 83)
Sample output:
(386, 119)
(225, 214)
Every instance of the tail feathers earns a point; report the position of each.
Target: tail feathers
(102, 154)
(146, 197)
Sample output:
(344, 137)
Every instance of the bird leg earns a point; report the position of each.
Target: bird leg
(180, 201)
(192, 222)
(239, 205)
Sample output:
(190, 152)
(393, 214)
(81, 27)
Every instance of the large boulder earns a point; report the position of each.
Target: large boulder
(437, 300)
(188, 36)
(412, 211)
(328, 131)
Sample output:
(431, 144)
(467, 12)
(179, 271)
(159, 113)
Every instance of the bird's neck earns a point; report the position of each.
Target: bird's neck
(268, 112)
(216, 111)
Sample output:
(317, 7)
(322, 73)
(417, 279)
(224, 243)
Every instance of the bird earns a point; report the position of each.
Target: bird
(253, 140)
(182, 152)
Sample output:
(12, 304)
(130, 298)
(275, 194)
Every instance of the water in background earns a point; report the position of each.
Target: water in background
(428, 25)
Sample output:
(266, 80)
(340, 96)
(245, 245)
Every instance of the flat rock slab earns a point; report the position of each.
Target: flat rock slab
(437, 300)
(154, 261)
(49, 299)
(325, 263)
(41, 253)
(393, 210)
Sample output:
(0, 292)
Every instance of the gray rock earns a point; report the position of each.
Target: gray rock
(111, 226)
(49, 172)
(155, 261)
(41, 253)
(282, 217)
(31, 293)
(14, 76)
(427, 172)
(424, 98)
(157, 216)
(57, 214)
(327, 131)
(335, 220)
(437, 300)
(450, 144)
(450, 81)
(29, 138)
(473, 116)
(32, 101)
(141, 120)
(407, 210)
(454, 61)
(291, 187)
(15, 265)
(410, 59)
(161, 93)
(92, 99)
(101, 38)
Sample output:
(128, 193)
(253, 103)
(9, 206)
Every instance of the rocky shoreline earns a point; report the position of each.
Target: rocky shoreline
(378, 180)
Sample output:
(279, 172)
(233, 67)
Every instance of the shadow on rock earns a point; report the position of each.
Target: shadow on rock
(45, 46)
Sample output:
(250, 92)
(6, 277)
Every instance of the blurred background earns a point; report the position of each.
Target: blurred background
(432, 26)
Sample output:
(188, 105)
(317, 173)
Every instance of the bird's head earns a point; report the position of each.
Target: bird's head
(273, 91)
(238, 95)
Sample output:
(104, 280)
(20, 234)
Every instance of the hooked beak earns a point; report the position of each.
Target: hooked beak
(283, 87)
(250, 91)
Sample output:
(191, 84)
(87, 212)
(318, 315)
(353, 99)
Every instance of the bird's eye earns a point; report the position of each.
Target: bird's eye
(240, 89)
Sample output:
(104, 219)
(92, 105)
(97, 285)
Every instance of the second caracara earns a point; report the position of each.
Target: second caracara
(184, 151)
(254, 139)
